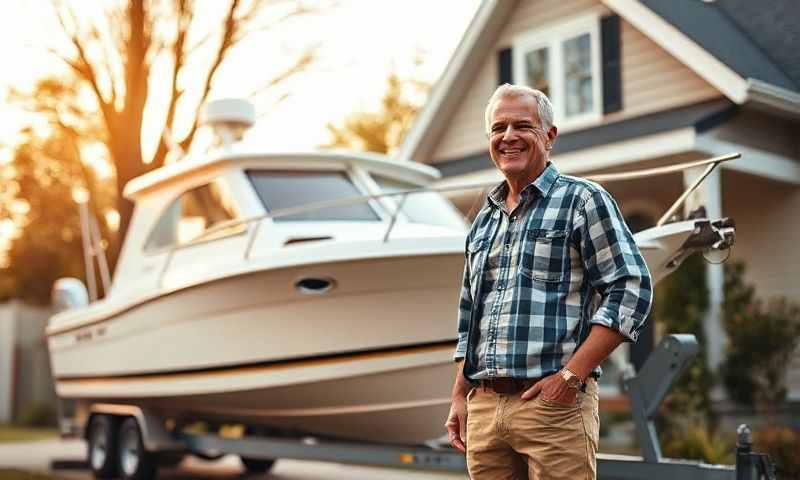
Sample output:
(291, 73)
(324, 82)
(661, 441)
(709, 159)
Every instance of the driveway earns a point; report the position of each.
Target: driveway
(38, 456)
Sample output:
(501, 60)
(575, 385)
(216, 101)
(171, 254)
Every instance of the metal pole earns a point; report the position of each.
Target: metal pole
(100, 253)
(744, 445)
(394, 217)
(675, 206)
(83, 209)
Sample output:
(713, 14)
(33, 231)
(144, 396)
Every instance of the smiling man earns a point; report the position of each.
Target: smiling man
(553, 283)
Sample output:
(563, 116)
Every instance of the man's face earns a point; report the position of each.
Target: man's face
(517, 143)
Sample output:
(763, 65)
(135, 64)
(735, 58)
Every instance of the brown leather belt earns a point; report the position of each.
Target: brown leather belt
(507, 385)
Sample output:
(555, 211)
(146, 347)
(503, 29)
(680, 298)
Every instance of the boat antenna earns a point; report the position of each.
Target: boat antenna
(229, 118)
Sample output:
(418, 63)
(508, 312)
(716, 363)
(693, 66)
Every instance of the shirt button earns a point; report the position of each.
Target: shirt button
(508, 246)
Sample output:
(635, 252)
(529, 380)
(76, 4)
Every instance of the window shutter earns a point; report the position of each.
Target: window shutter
(612, 71)
(504, 66)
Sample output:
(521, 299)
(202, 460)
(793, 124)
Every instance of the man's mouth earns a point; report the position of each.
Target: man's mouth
(510, 151)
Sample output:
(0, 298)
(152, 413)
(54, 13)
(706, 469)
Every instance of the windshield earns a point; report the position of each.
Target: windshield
(282, 190)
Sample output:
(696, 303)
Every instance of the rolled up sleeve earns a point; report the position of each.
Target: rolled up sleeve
(464, 313)
(614, 265)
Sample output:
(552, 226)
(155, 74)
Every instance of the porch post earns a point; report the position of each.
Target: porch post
(709, 195)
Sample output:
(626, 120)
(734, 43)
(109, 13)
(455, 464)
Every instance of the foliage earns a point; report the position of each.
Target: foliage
(116, 55)
(762, 337)
(15, 434)
(698, 443)
(681, 301)
(47, 245)
(782, 444)
(382, 131)
(39, 415)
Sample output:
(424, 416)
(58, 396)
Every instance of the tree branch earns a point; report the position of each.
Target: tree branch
(185, 14)
(83, 67)
(231, 26)
(300, 64)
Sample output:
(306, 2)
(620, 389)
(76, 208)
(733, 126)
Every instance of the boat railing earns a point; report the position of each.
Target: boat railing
(256, 221)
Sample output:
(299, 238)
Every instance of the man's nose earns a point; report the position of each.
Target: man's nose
(509, 133)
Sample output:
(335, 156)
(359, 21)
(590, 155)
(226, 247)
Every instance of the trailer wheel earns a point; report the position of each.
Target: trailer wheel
(135, 463)
(102, 446)
(256, 465)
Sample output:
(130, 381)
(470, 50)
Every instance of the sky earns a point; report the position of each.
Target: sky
(358, 43)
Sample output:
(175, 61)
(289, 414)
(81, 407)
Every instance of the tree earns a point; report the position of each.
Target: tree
(114, 59)
(45, 171)
(382, 131)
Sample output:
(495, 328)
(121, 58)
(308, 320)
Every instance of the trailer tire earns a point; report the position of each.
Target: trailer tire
(256, 465)
(102, 439)
(135, 463)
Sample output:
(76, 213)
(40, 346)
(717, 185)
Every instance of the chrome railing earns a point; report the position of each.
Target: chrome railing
(403, 194)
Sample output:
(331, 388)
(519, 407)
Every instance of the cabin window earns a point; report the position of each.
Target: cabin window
(201, 211)
(423, 207)
(280, 191)
(563, 61)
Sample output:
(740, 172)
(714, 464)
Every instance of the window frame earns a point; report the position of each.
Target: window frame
(553, 38)
(177, 246)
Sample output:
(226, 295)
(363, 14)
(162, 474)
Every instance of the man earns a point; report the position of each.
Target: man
(553, 283)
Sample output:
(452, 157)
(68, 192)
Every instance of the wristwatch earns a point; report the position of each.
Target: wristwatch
(573, 381)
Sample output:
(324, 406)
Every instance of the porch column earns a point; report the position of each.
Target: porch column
(709, 195)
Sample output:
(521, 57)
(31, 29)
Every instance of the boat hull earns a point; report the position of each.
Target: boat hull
(374, 350)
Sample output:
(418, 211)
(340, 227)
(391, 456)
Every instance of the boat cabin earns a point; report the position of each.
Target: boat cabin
(210, 213)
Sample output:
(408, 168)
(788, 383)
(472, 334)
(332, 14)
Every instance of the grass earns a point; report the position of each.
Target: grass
(18, 475)
(9, 433)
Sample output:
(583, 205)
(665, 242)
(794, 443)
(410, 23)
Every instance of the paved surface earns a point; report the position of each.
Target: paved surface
(37, 456)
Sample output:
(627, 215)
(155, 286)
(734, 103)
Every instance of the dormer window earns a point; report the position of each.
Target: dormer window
(563, 61)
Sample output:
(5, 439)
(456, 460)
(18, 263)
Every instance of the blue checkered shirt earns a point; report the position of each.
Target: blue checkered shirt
(537, 278)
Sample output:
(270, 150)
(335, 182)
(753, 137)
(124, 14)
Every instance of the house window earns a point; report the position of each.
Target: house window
(563, 61)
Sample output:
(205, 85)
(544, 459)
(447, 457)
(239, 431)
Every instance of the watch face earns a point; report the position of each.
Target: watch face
(571, 379)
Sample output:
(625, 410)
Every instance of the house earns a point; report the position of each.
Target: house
(25, 380)
(642, 83)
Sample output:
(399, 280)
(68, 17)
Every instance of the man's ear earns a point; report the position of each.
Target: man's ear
(551, 137)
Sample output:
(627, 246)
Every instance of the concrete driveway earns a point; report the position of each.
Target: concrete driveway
(38, 456)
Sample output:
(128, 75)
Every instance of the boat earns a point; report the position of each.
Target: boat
(308, 293)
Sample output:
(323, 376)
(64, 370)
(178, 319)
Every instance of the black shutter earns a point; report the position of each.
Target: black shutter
(504, 74)
(612, 69)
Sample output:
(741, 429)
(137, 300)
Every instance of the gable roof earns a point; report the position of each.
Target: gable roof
(726, 49)
(752, 38)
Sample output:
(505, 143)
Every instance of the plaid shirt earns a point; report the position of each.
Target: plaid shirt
(537, 279)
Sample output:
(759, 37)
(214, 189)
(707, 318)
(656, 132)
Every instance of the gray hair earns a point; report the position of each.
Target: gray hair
(507, 90)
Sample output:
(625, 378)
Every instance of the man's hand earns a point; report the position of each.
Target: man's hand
(553, 388)
(456, 423)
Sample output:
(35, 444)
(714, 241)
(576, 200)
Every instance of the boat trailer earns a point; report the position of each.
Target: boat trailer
(646, 389)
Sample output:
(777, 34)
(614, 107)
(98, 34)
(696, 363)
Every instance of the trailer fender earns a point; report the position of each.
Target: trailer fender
(154, 433)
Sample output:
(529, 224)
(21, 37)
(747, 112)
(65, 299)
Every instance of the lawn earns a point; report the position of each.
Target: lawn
(9, 433)
(18, 475)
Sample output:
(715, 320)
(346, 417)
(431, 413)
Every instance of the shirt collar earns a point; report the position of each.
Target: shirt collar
(543, 183)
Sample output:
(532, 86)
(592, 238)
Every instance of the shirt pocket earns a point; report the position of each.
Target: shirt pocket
(545, 255)
(475, 254)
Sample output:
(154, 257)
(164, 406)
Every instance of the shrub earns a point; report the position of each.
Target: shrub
(783, 445)
(762, 339)
(697, 443)
(39, 415)
(681, 301)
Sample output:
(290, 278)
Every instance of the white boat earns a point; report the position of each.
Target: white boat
(310, 293)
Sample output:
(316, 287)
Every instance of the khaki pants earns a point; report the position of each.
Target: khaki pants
(511, 439)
